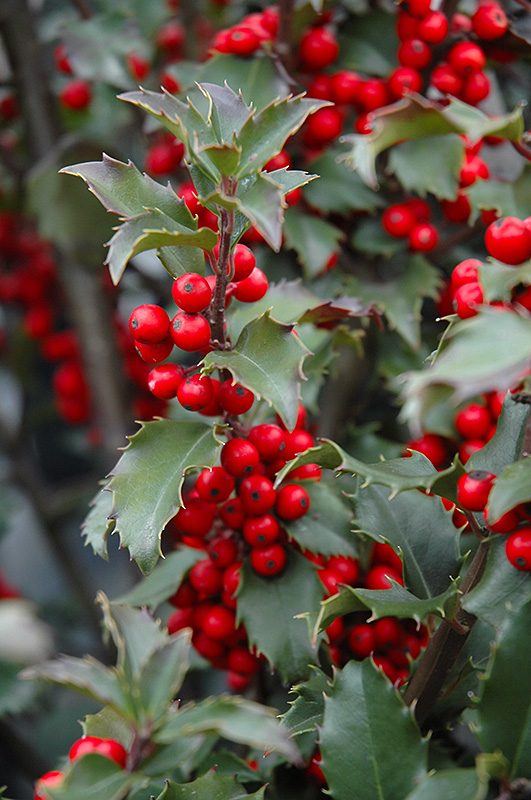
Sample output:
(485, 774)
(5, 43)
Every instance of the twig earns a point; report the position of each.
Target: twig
(83, 9)
(283, 43)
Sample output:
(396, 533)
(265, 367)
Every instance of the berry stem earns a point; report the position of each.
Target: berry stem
(226, 225)
(283, 43)
(425, 686)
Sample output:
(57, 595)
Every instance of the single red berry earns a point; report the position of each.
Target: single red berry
(433, 446)
(232, 513)
(269, 439)
(206, 578)
(171, 36)
(206, 646)
(214, 485)
(489, 21)
(383, 553)
(149, 324)
(231, 578)
(155, 353)
(244, 262)
(457, 210)
(473, 489)
(361, 640)
(423, 237)
(504, 524)
(346, 86)
(298, 441)
(398, 220)
(109, 748)
(417, 8)
(164, 380)
(219, 623)
(242, 660)
(508, 240)
(373, 94)
(169, 82)
(242, 41)
(49, 779)
(476, 88)
(466, 58)
(75, 95)
(281, 161)
(195, 392)
(306, 472)
(190, 332)
(269, 560)
(184, 597)
(467, 298)
(446, 80)
(468, 448)
(404, 79)
(473, 421)
(473, 169)
(234, 398)
(518, 548)
(387, 632)
(378, 577)
(261, 531)
(239, 457)
(465, 272)
(324, 126)
(252, 288)
(318, 49)
(191, 292)
(182, 618)
(406, 26)
(257, 494)
(195, 518)
(292, 502)
(433, 28)
(222, 551)
(346, 568)
(414, 53)
(138, 67)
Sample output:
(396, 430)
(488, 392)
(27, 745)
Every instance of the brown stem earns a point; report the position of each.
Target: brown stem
(226, 227)
(283, 43)
(444, 647)
(83, 8)
(522, 148)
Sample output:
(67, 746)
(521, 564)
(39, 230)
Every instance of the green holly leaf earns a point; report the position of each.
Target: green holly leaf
(263, 204)
(420, 529)
(94, 777)
(429, 165)
(343, 307)
(498, 280)
(505, 446)
(398, 474)
(502, 588)
(361, 709)
(510, 489)
(400, 299)
(267, 359)
(271, 625)
(314, 240)
(16, 696)
(394, 602)
(488, 352)
(109, 724)
(339, 190)
(287, 301)
(209, 787)
(179, 260)
(165, 579)
(504, 707)
(258, 79)
(508, 199)
(307, 710)
(464, 783)
(147, 480)
(415, 117)
(233, 718)
(97, 525)
(265, 133)
(162, 675)
(370, 238)
(327, 528)
(85, 676)
(368, 43)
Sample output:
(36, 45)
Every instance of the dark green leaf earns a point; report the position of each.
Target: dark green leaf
(307, 710)
(258, 79)
(109, 724)
(16, 696)
(164, 580)
(229, 111)
(147, 480)
(267, 359)
(327, 528)
(362, 711)
(370, 238)
(178, 260)
(263, 204)
(342, 307)
(498, 280)
(508, 199)
(94, 777)
(510, 489)
(504, 708)
(181, 758)
(429, 165)
(369, 43)
(451, 784)
(97, 525)
(506, 444)
(339, 189)
(209, 787)
(502, 588)
(314, 240)
(233, 718)
(162, 674)
(268, 607)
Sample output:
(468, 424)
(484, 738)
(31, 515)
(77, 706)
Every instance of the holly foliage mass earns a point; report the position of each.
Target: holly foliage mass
(267, 365)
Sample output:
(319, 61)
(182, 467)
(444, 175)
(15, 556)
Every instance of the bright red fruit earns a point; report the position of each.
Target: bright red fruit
(318, 49)
(50, 779)
(190, 332)
(164, 380)
(269, 560)
(149, 324)
(234, 398)
(509, 240)
(196, 392)
(214, 485)
(473, 489)
(109, 748)
(518, 548)
(293, 501)
(76, 95)
(489, 21)
(191, 292)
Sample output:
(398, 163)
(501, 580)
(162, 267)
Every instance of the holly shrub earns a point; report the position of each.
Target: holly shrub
(316, 299)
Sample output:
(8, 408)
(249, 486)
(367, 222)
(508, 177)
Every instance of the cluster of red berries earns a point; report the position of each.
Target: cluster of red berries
(507, 240)
(248, 35)
(473, 491)
(232, 512)
(410, 220)
(189, 330)
(109, 748)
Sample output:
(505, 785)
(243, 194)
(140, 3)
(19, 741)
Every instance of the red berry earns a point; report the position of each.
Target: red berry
(378, 577)
(191, 292)
(214, 485)
(387, 632)
(244, 262)
(149, 324)
(243, 661)
(163, 381)
(206, 578)
(49, 779)
(239, 457)
(518, 548)
(473, 489)
(242, 41)
(383, 553)
(155, 353)
(406, 26)
(219, 623)
(269, 439)
(232, 513)
(361, 640)
(423, 237)
(508, 240)
(433, 29)
(346, 86)
(489, 21)
(404, 79)
(182, 618)
(466, 58)
(252, 288)
(473, 422)
(234, 398)
(257, 494)
(473, 169)
(223, 552)
(298, 441)
(414, 53)
(446, 80)
(470, 447)
(231, 578)
(398, 220)
(318, 49)
(269, 560)
(138, 67)
(324, 126)
(432, 446)
(417, 8)
(195, 518)
(346, 568)
(61, 59)
(190, 332)
(465, 272)
(467, 298)
(457, 210)
(281, 161)
(76, 95)
(374, 93)
(206, 646)
(261, 531)
(476, 88)
(171, 36)
(292, 502)
(195, 393)
(504, 524)
(109, 748)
